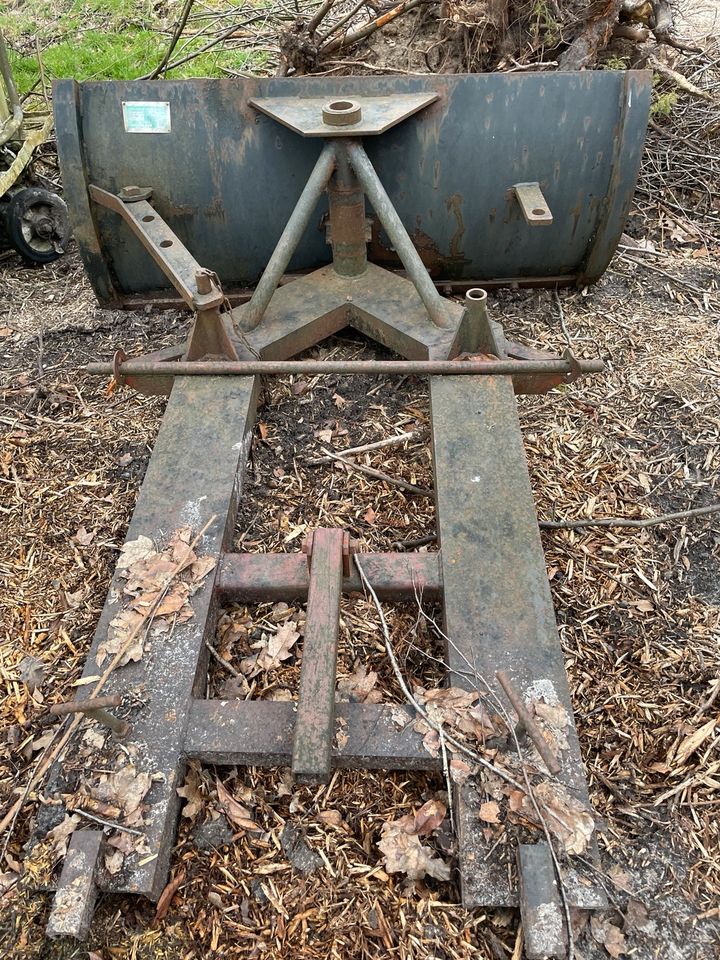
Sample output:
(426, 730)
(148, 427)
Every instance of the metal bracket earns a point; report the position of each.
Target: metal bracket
(349, 547)
(163, 245)
(533, 204)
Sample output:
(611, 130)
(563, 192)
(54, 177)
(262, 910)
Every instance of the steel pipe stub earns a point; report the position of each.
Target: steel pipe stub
(342, 113)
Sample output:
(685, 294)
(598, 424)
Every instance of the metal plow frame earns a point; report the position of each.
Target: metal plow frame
(226, 175)
(489, 572)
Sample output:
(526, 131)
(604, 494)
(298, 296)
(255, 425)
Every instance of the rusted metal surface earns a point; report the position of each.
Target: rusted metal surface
(164, 246)
(501, 616)
(82, 706)
(541, 909)
(323, 117)
(236, 296)
(192, 477)
(252, 578)
(392, 368)
(314, 729)
(260, 733)
(378, 303)
(347, 227)
(579, 136)
(77, 890)
(95, 708)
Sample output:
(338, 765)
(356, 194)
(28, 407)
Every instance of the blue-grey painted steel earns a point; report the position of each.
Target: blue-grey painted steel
(226, 178)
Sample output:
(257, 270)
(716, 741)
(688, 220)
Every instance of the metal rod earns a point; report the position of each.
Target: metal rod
(528, 723)
(291, 236)
(83, 706)
(399, 237)
(94, 708)
(397, 368)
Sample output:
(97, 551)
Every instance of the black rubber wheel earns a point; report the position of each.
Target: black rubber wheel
(37, 224)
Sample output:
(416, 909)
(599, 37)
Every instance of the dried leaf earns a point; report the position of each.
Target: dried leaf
(403, 853)
(135, 550)
(333, 818)
(568, 818)
(608, 935)
(636, 916)
(402, 849)
(490, 812)
(190, 792)
(690, 744)
(359, 686)
(31, 672)
(119, 632)
(126, 788)
(163, 904)
(83, 537)
(429, 817)
(114, 860)
(237, 814)
(276, 649)
(459, 770)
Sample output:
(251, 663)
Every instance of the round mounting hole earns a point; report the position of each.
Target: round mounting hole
(342, 113)
(148, 219)
(166, 243)
(476, 293)
(539, 212)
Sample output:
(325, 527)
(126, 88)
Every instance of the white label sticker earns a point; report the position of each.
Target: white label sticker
(146, 116)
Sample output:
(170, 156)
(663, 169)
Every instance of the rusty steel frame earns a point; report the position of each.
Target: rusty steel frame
(499, 616)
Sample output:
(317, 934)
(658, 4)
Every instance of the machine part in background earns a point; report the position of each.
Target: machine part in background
(35, 222)
(228, 171)
(32, 220)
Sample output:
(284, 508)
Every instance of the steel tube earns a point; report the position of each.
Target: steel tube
(347, 218)
(290, 238)
(397, 368)
(399, 237)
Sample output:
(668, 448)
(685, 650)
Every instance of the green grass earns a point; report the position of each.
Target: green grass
(101, 40)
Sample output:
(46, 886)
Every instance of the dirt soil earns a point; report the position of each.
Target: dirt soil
(638, 611)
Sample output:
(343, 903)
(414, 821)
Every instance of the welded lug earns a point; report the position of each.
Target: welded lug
(575, 368)
(131, 194)
(533, 204)
(342, 113)
(119, 357)
(482, 335)
(349, 548)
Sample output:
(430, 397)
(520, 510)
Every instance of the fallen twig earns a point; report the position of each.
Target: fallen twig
(378, 474)
(377, 445)
(680, 81)
(411, 699)
(623, 522)
(354, 36)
